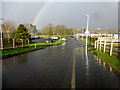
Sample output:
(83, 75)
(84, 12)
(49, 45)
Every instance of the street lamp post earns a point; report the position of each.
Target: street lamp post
(99, 31)
(87, 31)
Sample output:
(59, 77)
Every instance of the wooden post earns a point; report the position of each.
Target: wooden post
(100, 45)
(95, 44)
(111, 48)
(105, 45)
(35, 45)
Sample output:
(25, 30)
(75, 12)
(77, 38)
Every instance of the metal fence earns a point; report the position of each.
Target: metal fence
(8, 44)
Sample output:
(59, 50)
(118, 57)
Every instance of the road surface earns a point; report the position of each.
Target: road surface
(62, 66)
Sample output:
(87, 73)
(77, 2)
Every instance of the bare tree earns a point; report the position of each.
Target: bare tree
(48, 30)
(8, 29)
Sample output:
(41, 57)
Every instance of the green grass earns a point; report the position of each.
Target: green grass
(54, 43)
(114, 45)
(111, 60)
(84, 40)
(29, 48)
(19, 50)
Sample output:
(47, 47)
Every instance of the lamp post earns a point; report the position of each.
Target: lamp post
(99, 31)
(87, 31)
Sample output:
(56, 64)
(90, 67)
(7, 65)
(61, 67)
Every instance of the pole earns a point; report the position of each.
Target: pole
(105, 45)
(1, 18)
(95, 44)
(87, 31)
(86, 40)
(13, 43)
(1, 35)
(87, 21)
(111, 48)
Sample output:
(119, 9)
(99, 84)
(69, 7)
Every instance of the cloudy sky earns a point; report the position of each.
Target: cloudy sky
(103, 15)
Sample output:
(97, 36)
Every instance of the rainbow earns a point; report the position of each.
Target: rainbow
(41, 11)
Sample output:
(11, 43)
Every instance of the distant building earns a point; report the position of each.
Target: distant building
(115, 35)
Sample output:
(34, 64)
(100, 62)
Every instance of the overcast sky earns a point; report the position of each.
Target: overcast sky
(103, 15)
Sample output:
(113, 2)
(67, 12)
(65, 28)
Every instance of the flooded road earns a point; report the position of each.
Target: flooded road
(62, 66)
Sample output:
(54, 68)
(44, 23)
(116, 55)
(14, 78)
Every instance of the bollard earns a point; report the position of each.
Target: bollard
(110, 68)
(13, 43)
(35, 45)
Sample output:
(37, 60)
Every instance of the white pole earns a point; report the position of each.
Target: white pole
(105, 45)
(97, 44)
(111, 48)
(86, 40)
(87, 21)
(100, 45)
(87, 31)
(35, 45)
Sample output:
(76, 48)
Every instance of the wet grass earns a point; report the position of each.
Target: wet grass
(111, 60)
(54, 43)
(29, 47)
(19, 50)
(84, 40)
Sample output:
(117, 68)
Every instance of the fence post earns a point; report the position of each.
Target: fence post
(95, 44)
(100, 45)
(111, 48)
(105, 45)
(35, 45)
(22, 42)
(13, 43)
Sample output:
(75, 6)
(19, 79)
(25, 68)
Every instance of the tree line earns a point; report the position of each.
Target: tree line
(24, 31)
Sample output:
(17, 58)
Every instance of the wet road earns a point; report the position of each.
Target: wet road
(62, 66)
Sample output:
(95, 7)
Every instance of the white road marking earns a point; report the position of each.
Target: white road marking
(73, 83)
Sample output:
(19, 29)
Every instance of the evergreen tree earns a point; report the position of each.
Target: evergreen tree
(21, 33)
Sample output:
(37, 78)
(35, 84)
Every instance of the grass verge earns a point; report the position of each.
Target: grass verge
(84, 40)
(111, 60)
(30, 47)
(19, 50)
